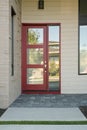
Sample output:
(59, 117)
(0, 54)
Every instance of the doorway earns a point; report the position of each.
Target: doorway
(41, 57)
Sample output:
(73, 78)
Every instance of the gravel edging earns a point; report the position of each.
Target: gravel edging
(2, 111)
(83, 110)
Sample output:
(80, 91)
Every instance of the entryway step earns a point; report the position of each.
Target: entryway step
(43, 114)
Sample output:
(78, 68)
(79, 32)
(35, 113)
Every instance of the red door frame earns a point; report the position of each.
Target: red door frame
(24, 87)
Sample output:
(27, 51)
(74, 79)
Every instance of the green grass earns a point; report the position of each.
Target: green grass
(43, 122)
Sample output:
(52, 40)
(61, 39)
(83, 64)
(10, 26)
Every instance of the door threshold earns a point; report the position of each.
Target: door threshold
(40, 92)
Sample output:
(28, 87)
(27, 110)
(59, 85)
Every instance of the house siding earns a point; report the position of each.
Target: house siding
(4, 53)
(66, 13)
(15, 80)
(10, 86)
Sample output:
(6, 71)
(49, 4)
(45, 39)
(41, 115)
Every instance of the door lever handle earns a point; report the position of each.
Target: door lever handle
(45, 66)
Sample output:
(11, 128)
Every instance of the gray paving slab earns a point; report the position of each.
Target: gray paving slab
(43, 114)
(43, 127)
(51, 100)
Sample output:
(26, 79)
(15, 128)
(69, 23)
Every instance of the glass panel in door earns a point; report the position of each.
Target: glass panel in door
(35, 36)
(35, 56)
(54, 46)
(35, 76)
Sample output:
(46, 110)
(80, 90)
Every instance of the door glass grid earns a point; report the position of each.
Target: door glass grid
(35, 56)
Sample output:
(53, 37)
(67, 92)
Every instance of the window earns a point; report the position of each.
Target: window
(12, 40)
(82, 36)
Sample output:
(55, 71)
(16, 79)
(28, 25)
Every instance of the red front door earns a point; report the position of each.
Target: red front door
(34, 58)
(40, 57)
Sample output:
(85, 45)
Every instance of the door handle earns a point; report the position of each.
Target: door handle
(45, 66)
(45, 62)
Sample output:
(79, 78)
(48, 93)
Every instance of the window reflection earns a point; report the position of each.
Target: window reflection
(35, 36)
(83, 36)
(83, 49)
(54, 34)
(35, 76)
(54, 57)
(35, 56)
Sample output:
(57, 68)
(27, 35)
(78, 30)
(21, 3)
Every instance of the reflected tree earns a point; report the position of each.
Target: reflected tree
(54, 69)
(33, 37)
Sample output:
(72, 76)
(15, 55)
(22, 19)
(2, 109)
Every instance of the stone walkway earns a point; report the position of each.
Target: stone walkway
(49, 100)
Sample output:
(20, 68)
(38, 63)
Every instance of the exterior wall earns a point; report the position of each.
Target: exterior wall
(10, 86)
(15, 80)
(4, 53)
(66, 13)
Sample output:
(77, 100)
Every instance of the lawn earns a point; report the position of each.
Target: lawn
(43, 122)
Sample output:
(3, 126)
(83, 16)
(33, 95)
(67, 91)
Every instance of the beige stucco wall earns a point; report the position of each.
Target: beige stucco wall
(66, 13)
(4, 53)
